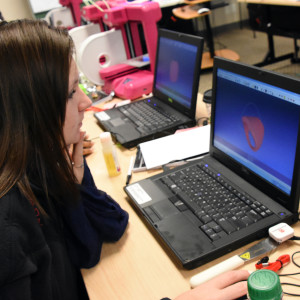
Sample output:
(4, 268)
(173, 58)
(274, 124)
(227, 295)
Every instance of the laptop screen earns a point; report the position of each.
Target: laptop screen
(175, 70)
(256, 124)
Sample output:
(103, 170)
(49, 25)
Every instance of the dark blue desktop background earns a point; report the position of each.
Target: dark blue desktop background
(184, 55)
(277, 152)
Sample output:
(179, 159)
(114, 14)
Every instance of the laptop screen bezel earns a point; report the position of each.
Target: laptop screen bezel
(192, 40)
(275, 79)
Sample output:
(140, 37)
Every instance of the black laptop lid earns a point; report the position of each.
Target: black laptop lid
(177, 70)
(255, 127)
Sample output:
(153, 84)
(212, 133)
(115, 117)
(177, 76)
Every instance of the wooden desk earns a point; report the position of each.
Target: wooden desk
(273, 2)
(137, 267)
(189, 12)
(275, 17)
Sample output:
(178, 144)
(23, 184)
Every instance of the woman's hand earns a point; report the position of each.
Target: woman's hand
(227, 286)
(77, 158)
(87, 146)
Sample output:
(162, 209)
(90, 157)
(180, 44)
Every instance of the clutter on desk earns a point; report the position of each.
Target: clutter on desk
(129, 173)
(94, 92)
(280, 262)
(235, 261)
(139, 162)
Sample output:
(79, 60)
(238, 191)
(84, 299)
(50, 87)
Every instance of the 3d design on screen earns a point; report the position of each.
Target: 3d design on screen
(254, 130)
(174, 70)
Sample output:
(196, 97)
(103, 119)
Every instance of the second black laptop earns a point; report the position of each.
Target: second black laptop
(175, 89)
(249, 182)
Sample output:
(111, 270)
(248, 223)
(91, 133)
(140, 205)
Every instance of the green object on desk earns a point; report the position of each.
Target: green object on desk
(83, 88)
(264, 285)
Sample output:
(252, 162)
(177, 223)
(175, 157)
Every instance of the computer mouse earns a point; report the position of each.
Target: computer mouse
(203, 10)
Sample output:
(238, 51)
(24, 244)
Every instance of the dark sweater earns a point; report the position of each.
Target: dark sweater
(40, 258)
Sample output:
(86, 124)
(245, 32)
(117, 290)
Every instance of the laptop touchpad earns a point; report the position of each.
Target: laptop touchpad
(184, 237)
(117, 122)
(164, 209)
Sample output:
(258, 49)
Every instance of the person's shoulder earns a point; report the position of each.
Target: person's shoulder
(19, 230)
(17, 218)
(15, 209)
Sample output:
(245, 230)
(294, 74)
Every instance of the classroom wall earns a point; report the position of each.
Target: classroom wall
(15, 9)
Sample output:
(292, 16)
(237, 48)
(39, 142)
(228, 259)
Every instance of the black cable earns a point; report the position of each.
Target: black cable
(292, 284)
(293, 260)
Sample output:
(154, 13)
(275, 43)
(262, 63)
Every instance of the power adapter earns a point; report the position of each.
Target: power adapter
(281, 232)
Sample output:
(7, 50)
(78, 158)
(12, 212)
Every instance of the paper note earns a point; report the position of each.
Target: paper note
(174, 147)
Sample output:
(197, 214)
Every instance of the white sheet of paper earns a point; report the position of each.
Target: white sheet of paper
(176, 147)
(43, 5)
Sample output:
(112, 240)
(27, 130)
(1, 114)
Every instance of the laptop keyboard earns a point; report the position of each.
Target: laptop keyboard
(147, 118)
(220, 207)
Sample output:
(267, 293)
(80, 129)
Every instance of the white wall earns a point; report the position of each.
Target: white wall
(15, 9)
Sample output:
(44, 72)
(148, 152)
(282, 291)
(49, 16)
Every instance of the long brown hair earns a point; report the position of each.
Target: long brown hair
(34, 72)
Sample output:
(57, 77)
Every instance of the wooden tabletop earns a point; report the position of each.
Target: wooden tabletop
(195, 1)
(138, 266)
(188, 12)
(273, 2)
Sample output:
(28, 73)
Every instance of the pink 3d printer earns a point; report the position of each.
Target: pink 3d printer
(126, 79)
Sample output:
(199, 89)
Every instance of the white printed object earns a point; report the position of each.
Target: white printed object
(107, 45)
(226, 265)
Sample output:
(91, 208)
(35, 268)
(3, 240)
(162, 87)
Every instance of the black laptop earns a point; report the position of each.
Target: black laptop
(247, 183)
(175, 88)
